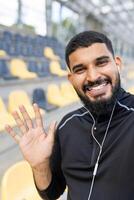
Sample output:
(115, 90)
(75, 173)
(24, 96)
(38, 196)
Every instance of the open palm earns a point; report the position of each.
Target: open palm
(36, 145)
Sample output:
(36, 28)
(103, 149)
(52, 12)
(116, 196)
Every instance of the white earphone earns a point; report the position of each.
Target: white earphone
(118, 68)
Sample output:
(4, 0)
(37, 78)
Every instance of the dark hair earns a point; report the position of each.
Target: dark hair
(85, 39)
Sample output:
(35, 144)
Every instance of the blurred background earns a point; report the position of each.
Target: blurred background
(33, 36)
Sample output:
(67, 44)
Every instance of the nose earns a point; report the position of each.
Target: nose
(92, 74)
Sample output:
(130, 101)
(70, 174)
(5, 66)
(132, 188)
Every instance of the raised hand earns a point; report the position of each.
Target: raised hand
(36, 145)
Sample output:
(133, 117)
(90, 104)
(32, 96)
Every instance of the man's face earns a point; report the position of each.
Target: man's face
(94, 73)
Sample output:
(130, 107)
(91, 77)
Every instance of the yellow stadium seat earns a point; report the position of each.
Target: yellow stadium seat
(2, 53)
(18, 184)
(5, 117)
(55, 97)
(130, 75)
(49, 53)
(19, 68)
(68, 91)
(20, 97)
(131, 90)
(55, 68)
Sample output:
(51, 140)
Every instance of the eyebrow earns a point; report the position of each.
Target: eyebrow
(101, 58)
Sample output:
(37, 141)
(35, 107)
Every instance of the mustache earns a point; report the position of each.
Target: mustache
(88, 86)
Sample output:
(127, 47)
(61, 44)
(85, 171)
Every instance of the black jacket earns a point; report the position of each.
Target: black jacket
(75, 154)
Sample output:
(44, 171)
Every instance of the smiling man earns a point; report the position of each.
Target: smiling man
(94, 73)
(92, 152)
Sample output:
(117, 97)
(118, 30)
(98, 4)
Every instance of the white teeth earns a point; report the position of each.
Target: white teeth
(98, 87)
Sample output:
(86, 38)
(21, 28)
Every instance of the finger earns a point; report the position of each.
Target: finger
(12, 133)
(52, 129)
(26, 116)
(19, 122)
(38, 117)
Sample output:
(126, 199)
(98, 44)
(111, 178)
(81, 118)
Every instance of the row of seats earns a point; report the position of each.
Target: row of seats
(18, 184)
(18, 68)
(33, 56)
(16, 44)
(55, 96)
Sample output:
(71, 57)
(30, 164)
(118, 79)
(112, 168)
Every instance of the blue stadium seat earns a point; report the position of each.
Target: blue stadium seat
(44, 67)
(17, 37)
(30, 50)
(40, 67)
(40, 39)
(1, 44)
(11, 50)
(4, 71)
(32, 66)
(24, 50)
(63, 64)
(17, 49)
(39, 97)
(37, 51)
(8, 36)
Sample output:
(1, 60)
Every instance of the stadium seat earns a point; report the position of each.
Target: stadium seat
(8, 36)
(20, 97)
(4, 71)
(44, 67)
(55, 97)
(131, 90)
(5, 117)
(63, 64)
(33, 66)
(49, 53)
(39, 97)
(17, 37)
(2, 53)
(130, 74)
(68, 91)
(39, 67)
(55, 69)
(18, 184)
(19, 68)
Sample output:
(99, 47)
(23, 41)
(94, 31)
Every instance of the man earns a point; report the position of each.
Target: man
(92, 150)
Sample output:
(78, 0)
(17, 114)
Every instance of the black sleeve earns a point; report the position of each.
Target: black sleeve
(58, 183)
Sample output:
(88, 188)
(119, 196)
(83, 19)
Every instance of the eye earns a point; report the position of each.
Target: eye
(102, 63)
(79, 70)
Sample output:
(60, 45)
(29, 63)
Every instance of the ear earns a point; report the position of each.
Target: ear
(118, 62)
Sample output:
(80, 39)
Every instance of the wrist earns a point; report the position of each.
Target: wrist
(42, 167)
(42, 176)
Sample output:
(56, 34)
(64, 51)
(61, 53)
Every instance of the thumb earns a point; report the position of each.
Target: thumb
(52, 129)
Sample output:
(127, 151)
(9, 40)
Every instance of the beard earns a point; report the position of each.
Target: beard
(102, 106)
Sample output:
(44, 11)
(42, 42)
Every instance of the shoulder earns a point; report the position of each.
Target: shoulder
(81, 112)
(127, 100)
